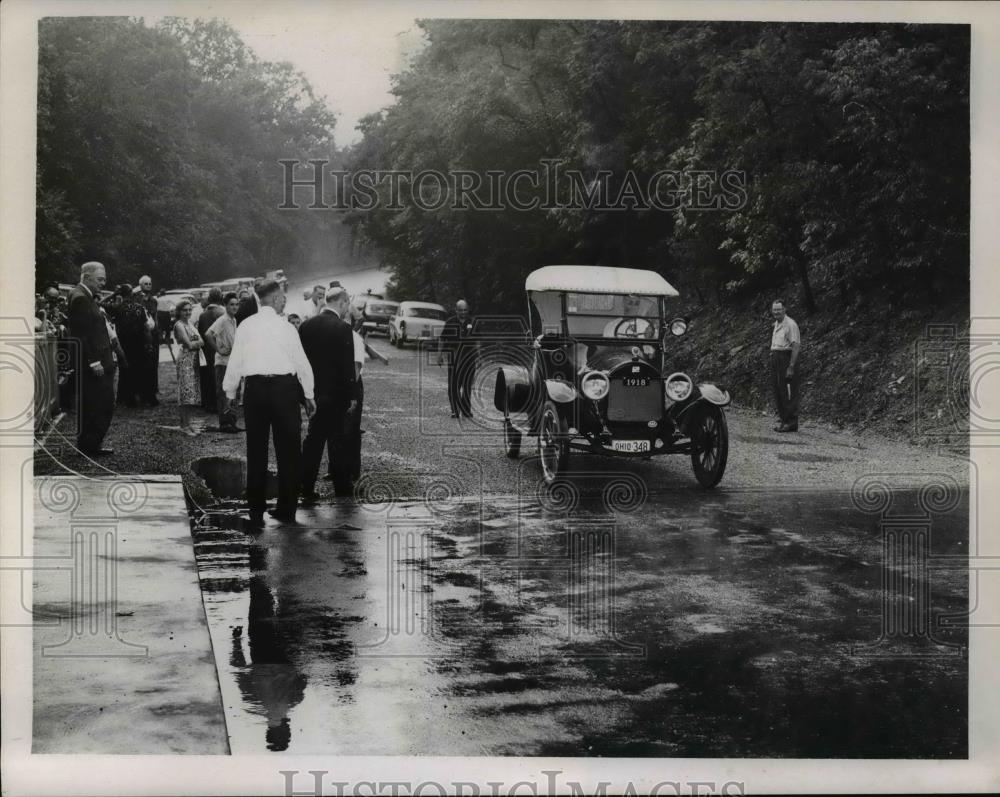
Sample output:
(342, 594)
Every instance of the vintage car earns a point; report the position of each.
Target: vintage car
(416, 321)
(376, 314)
(600, 379)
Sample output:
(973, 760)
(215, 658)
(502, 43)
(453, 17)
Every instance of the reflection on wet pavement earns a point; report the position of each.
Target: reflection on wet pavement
(679, 624)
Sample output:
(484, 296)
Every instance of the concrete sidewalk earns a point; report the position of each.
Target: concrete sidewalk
(123, 661)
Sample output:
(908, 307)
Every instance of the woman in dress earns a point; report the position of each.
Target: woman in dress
(188, 382)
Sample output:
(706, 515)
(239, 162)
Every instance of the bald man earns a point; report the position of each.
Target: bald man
(456, 339)
(94, 359)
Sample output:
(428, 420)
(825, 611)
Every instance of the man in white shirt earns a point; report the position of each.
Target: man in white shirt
(785, 345)
(268, 355)
(316, 302)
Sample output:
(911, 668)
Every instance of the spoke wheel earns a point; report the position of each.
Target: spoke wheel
(553, 443)
(709, 446)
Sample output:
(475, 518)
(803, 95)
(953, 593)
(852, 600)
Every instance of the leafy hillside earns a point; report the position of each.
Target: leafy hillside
(901, 374)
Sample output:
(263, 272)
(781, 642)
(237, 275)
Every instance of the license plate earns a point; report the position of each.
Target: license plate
(635, 381)
(630, 446)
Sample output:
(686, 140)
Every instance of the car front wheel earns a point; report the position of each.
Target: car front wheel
(511, 436)
(553, 443)
(709, 446)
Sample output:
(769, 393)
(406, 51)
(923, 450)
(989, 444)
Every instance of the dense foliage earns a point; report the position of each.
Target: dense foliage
(158, 152)
(852, 138)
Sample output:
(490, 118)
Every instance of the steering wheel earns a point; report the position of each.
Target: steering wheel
(634, 333)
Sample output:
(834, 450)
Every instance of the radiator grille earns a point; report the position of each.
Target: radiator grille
(634, 403)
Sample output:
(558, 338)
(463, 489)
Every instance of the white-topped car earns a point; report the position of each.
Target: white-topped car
(601, 378)
(416, 321)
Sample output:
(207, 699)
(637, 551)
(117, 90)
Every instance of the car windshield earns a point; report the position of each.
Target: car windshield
(381, 308)
(425, 312)
(600, 315)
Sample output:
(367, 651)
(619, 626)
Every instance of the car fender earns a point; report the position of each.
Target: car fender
(714, 394)
(559, 391)
(513, 388)
(705, 394)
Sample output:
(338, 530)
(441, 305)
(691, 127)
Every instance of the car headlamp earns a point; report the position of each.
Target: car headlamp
(594, 385)
(678, 327)
(677, 387)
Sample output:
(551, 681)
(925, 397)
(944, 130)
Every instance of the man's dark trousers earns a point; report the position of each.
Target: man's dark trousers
(786, 389)
(461, 372)
(225, 408)
(271, 403)
(354, 433)
(206, 375)
(97, 407)
(328, 426)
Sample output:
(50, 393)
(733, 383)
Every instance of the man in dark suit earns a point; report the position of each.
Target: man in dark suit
(249, 305)
(89, 330)
(329, 345)
(211, 312)
(149, 368)
(458, 340)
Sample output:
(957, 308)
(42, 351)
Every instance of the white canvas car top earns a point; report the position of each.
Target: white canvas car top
(599, 279)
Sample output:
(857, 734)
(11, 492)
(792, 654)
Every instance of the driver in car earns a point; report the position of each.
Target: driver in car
(630, 325)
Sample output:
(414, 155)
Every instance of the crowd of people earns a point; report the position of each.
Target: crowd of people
(231, 350)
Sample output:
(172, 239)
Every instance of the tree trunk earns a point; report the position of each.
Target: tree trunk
(807, 294)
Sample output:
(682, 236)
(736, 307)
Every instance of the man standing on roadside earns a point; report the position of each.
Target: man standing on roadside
(785, 344)
(456, 339)
(268, 355)
(329, 344)
(220, 336)
(149, 370)
(88, 329)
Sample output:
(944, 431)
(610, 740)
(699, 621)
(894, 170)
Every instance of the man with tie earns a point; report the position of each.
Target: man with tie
(329, 344)
(458, 340)
(96, 361)
(268, 355)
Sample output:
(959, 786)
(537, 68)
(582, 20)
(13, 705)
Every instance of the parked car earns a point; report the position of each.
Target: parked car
(226, 286)
(415, 321)
(601, 380)
(165, 304)
(376, 314)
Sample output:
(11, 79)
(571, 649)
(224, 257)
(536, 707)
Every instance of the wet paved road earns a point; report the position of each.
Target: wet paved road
(681, 623)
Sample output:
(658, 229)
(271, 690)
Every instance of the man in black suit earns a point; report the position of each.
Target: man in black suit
(89, 330)
(249, 305)
(329, 345)
(458, 340)
(149, 368)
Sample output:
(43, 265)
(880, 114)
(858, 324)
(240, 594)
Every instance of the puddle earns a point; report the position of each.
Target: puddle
(226, 477)
(536, 632)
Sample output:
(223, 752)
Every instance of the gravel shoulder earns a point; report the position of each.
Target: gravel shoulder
(411, 446)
